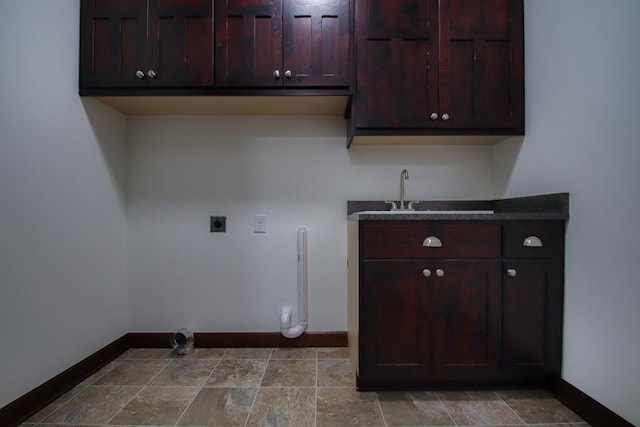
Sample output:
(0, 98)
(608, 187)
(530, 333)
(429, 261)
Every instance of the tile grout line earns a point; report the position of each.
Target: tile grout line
(384, 420)
(315, 401)
(200, 389)
(444, 405)
(141, 388)
(255, 397)
(511, 409)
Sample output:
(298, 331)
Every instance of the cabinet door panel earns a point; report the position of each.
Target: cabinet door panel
(316, 42)
(402, 19)
(481, 73)
(532, 302)
(113, 43)
(393, 334)
(248, 43)
(465, 316)
(180, 42)
(396, 69)
(393, 85)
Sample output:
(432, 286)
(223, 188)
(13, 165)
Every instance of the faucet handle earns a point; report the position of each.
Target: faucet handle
(410, 207)
(394, 207)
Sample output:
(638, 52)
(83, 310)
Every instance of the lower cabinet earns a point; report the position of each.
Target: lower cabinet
(460, 312)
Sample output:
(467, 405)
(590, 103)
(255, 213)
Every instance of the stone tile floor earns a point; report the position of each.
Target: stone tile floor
(277, 387)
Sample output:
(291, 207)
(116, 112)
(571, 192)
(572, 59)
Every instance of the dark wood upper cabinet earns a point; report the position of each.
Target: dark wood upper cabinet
(481, 79)
(439, 66)
(128, 44)
(276, 43)
(397, 63)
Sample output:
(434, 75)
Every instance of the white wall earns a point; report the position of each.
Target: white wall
(583, 127)
(62, 202)
(295, 170)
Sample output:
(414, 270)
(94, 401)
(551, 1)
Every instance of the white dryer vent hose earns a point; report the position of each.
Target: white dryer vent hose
(286, 328)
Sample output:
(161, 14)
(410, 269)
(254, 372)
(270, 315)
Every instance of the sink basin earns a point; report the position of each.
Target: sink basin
(461, 212)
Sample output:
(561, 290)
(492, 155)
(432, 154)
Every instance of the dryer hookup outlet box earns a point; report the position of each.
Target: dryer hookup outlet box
(218, 224)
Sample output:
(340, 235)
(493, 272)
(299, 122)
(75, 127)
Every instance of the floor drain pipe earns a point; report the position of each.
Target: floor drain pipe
(285, 315)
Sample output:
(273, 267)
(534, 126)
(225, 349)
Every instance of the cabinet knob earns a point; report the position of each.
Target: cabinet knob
(426, 272)
(511, 272)
(445, 117)
(276, 74)
(152, 74)
(140, 74)
(433, 117)
(439, 272)
(288, 74)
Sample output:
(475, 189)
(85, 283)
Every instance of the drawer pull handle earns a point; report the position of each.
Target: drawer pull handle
(511, 272)
(432, 242)
(439, 272)
(426, 272)
(532, 242)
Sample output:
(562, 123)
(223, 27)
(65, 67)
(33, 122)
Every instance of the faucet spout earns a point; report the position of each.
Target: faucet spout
(404, 176)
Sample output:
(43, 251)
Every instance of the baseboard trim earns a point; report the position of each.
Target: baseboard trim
(240, 339)
(585, 406)
(30, 403)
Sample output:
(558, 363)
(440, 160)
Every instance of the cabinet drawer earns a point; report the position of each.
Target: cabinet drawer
(384, 239)
(534, 239)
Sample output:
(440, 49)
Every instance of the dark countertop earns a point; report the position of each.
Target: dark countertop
(543, 207)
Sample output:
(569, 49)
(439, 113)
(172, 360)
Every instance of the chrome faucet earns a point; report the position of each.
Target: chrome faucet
(404, 176)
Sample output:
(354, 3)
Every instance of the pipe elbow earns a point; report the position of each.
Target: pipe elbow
(285, 318)
(286, 329)
(295, 331)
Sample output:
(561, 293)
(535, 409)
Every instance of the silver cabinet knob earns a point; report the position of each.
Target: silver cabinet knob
(140, 74)
(433, 117)
(426, 272)
(511, 272)
(152, 74)
(439, 272)
(276, 74)
(288, 74)
(445, 116)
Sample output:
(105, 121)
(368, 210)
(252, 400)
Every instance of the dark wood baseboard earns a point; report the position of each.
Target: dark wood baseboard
(584, 405)
(30, 403)
(241, 339)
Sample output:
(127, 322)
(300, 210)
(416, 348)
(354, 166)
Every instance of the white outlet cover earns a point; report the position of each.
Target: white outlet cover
(260, 223)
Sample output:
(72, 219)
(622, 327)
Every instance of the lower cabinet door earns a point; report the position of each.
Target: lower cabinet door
(465, 318)
(533, 304)
(394, 339)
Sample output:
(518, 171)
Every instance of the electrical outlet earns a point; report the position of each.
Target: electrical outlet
(260, 223)
(218, 224)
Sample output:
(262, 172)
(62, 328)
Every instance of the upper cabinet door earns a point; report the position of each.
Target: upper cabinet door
(113, 43)
(481, 64)
(180, 43)
(249, 43)
(397, 63)
(316, 43)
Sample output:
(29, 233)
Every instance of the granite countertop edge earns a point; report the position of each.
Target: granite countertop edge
(540, 207)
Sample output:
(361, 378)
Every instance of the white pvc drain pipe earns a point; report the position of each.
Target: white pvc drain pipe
(286, 328)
